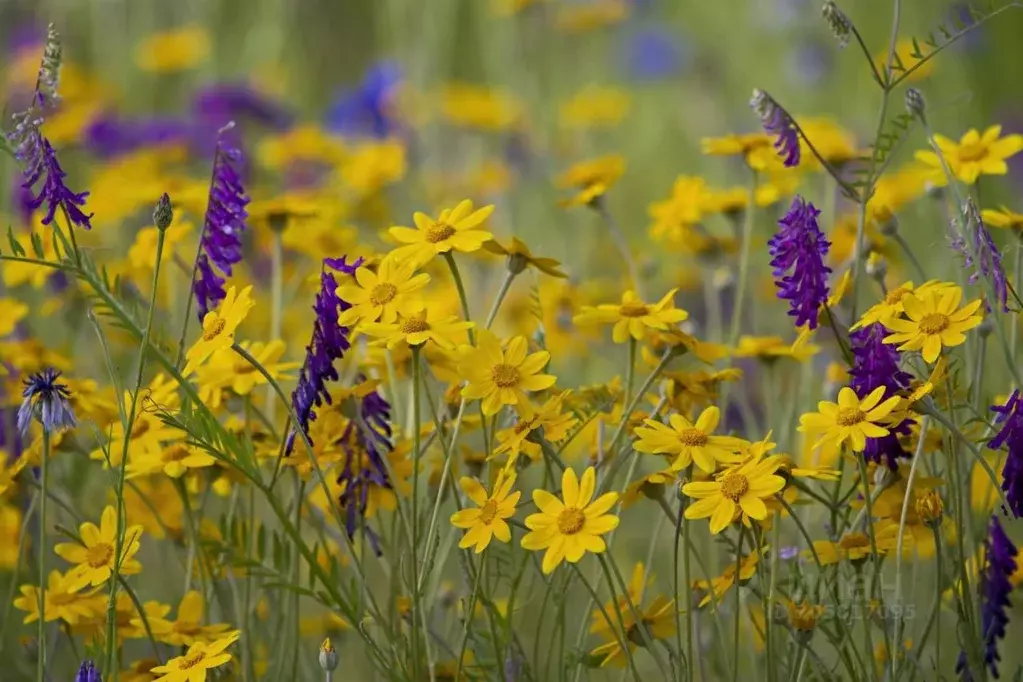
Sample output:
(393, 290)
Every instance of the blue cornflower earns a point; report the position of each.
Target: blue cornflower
(876, 363)
(1010, 417)
(329, 343)
(47, 400)
(222, 228)
(88, 673)
(799, 247)
(776, 121)
(1000, 564)
(368, 109)
(652, 54)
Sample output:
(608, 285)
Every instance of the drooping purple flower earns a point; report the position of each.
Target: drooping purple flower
(218, 103)
(985, 257)
(48, 401)
(88, 673)
(222, 228)
(652, 54)
(776, 121)
(329, 342)
(798, 251)
(999, 565)
(369, 108)
(875, 364)
(40, 163)
(1010, 417)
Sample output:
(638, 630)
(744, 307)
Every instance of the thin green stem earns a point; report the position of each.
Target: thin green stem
(276, 305)
(744, 258)
(469, 614)
(738, 606)
(44, 480)
(634, 611)
(622, 632)
(460, 287)
(506, 283)
(415, 607)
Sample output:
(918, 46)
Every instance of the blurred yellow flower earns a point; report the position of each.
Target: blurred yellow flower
(520, 257)
(974, 155)
(306, 143)
(833, 142)
(174, 460)
(770, 348)
(179, 49)
(10, 534)
(594, 107)
(579, 17)
(591, 179)
(904, 50)
(371, 166)
(1003, 217)
(12, 311)
(717, 587)
(632, 318)
(736, 145)
(228, 370)
(142, 252)
(477, 106)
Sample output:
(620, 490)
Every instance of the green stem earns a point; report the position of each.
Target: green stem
(640, 626)
(44, 478)
(276, 305)
(744, 254)
(416, 670)
(622, 244)
(506, 283)
(1016, 282)
(469, 614)
(738, 606)
(460, 287)
(623, 636)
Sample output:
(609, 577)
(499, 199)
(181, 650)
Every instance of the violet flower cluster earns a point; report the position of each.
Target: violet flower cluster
(221, 244)
(329, 342)
(1010, 417)
(88, 673)
(798, 251)
(776, 121)
(988, 261)
(875, 364)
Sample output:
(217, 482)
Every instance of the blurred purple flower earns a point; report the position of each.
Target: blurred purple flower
(788, 553)
(368, 110)
(776, 121)
(799, 248)
(88, 673)
(875, 364)
(652, 54)
(110, 135)
(1010, 417)
(219, 103)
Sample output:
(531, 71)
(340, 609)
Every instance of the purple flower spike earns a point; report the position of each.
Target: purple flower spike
(876, 363)
(985, 257)
(776, 121)
(799, 248)
(1011, 419)
(88, 673)
(222, 229)
(41, 162)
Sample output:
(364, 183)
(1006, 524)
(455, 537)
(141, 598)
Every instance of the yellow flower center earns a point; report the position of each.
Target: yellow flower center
(188, 662)
(413, 325)
(972, 152)
(935, 323)
(438, 232)
(693, 438)
(488, 512)
(140, 429)
(633, 309)
(99, 555)
(571, 520)
(174, 453)
(854, 541)
(525, 425)
(734, 486)
(505, 376)
(849, 416)
(214, 330)
(383, 293)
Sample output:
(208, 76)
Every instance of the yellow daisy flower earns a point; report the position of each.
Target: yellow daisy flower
(1002, 217)
(735, 145)
(569, 528)
(176, 50)
(499, 376)
(188, 629)
(632, 317)
(934, 322)
(689, 442)
(383, 294)
(520, 257)
(770, 348)
(487, 521)
(854, 546)
(833, 142)
(850, 419)
(62, 601)
(745, 486)
(591, 179)
(455, 228)
(200, 657)
(549, 417)
(95, 558)
(891, 308)
(594, 107)
(218, 327)
(228, 370)
(716, 588)
(447, 331)
(657, 621)
(174, 460)
(974, 155)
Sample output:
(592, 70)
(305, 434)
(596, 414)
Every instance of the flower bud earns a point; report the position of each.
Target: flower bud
(803, 619)
(328, 656)
(916, 106)
(929, 508)
(838, 22)
(163, 214)
(986, 327)
(889, 225)
(877, 266)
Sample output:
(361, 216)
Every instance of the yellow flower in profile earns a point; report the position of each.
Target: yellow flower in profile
(174, 460)
(487, 520)
(455, 228)
(549, 417)
(12, 312)
(833, 142)
(742, 487)
(227, 369)
(632, 318)
(1002, 217)
(594, 107)
(717, 587)
(218, 327)
(95, 558)
(935, 321)
(591, 179)
(177, 50)
(188, 629)
(768, 349)
(383, 294)
(62, 600)
(891, 307)
(657, 621)
(853, 546)
(446, 331)
(736, 145)
(520, 257)
(730, 201)
(501, 376)
(689, 442)
(850, 418)
(200, 657)
(142, 252)
(974, 155)
(570, 527)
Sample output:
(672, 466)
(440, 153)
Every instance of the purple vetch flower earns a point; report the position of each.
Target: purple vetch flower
(218, 103)
(88, 673)
(985, 257)
(875, 364)
(788, 553)
(329, 342)
(999, 565)
(1010, 417)
(41, 162)
(48, 401)
(799, 248)
(222, 228)
(776, 121)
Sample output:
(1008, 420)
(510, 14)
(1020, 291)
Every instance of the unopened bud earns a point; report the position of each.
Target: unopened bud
(516, 263)
(163, 214)
(328, 656)
(877, 266)
(838, 22)
(889, 225)
(915, 104)
(985, 328)
(929, 508)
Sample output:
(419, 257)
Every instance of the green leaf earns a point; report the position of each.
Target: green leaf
(16, 247)
(37, 245)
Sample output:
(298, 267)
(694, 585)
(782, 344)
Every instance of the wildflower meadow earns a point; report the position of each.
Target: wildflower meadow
(514, 340)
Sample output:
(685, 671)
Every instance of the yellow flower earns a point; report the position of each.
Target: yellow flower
(218, 327)
(569, 528)
(148, 434)
(487, 521)
(96, 558)
(745, 486)
(974, 155)
(474, 106)
(892, 308)
(416, 329)
(717, 587)
(199, 658)
(934, 322)
(142, 252)
(591, 179)
(736, 145)
(174, 460)
(1002, 217)
(373, 165)
(675, 217)
(729, 201)
(594, 107)
(689, 442)
(589, 16)
(455, 228)
(229, 370)
(803, 615)
(306, 143)
(176, 50)
(62, 601)
(188, 628)
(520, 257)
(12, 312)
(140, 671)
(657, 621)
(632, 317)
(904, 51)
(854, 546)
(833, 142)
(383, 294)
(156, 504)
(499, 376)
(10, 534)
(850, 419)
(770, 348)
(549, 417)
